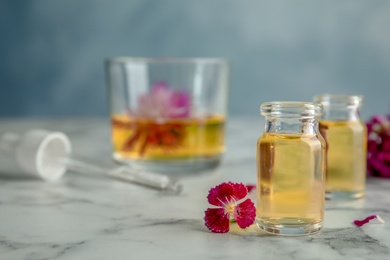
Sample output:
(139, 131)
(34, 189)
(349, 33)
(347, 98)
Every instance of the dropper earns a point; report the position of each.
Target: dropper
(46, 155)
(126, 174)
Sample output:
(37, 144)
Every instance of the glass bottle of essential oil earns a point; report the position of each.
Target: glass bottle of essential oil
(346, 137)
(290, 169)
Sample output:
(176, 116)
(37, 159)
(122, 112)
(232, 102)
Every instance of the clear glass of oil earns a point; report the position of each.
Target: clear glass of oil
(290, 169)
(346, 137)
(168, 114)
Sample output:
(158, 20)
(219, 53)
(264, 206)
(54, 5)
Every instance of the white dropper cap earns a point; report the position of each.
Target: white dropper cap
(38, 152)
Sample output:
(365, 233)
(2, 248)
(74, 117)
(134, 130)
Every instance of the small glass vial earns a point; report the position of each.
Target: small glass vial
(290, 169)
(346, 137)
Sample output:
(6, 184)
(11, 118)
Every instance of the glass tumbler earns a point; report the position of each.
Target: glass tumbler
(168, 114)
(290, 169)
(346, 137)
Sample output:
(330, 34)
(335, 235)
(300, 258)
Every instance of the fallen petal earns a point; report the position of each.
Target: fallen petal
(250, 187)
(360, 223)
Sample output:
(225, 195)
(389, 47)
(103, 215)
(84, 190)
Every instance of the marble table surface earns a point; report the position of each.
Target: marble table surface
(93, 217)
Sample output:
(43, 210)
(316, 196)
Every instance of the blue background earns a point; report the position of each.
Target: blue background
(52, 52)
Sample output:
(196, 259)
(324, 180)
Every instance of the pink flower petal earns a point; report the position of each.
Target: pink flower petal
(220, 194)
(384, 156)
(245, 213)
(225, 192)
(163, 102)
(360, 223)
(159, 87)
(378, 146)
(180, 104)
(239, 191)
(250, 187)
(216, 220)
(386, 144)
(382, 168)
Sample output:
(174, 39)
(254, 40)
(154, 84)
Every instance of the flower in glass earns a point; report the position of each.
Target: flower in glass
(163, 102)
(156, 112)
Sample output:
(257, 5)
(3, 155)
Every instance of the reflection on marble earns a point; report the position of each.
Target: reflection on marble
(92, 217)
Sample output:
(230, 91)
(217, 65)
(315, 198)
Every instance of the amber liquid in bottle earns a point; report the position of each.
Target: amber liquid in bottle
(346, 158)
(171, 139)
(290, 181)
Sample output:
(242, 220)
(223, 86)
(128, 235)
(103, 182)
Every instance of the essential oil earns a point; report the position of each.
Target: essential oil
(290, 181)
(168, 139)
(346, 158)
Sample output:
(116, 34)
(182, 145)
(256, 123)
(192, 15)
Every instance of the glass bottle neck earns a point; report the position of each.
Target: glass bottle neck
(298, 126)
(341, 114)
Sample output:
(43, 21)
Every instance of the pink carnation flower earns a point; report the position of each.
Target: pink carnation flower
(378, 146)
(163, 102)
(227, 197)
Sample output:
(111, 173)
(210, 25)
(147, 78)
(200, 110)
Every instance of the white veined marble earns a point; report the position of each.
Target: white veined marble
(92, 217)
